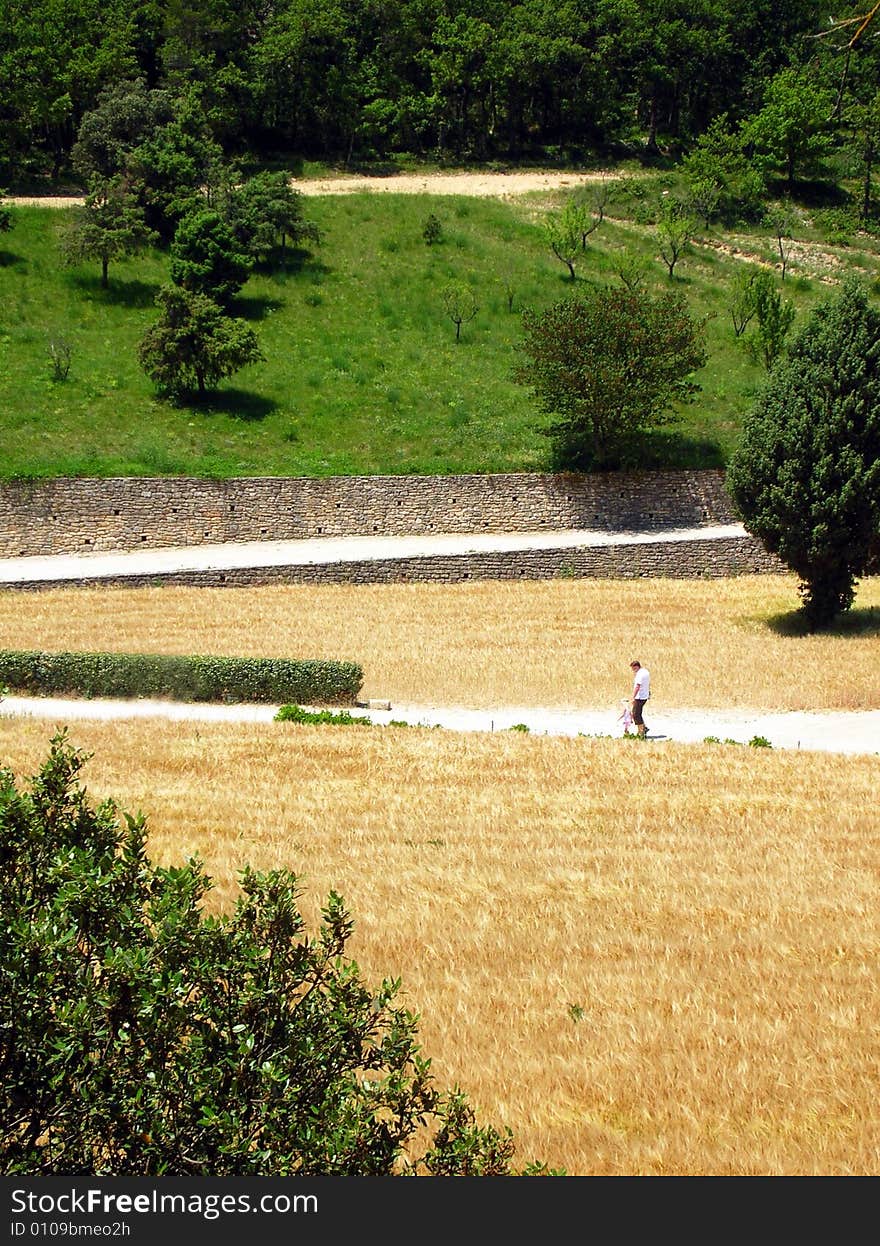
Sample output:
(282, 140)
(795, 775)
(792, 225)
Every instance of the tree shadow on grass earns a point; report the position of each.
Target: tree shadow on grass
(9, 259)
(117, 293)
(674, 450)
(857, 622)
(254, 306)
(237, 404)
(294, 262)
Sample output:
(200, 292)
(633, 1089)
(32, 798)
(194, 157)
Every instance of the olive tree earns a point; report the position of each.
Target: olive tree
(141, 1037)
(806, 474)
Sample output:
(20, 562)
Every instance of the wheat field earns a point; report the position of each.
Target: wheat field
(708, 644)
(644, 961)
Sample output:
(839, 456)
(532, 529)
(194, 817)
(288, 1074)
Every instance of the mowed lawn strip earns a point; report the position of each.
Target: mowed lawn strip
(644, 961)
(709, 644)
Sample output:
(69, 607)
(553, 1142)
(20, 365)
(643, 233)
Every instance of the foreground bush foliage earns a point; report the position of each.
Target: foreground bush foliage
(181, 677)
(139, 1037)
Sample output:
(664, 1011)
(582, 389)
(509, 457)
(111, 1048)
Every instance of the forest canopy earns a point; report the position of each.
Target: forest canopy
(364, 79)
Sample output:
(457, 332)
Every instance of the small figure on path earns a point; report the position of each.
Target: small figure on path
(641, 692)
(625, 716)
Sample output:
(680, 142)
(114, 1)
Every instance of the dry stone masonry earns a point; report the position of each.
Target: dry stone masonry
(122, 514)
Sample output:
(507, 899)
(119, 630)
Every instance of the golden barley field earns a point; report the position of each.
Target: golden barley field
(560, 642)
(643, 960)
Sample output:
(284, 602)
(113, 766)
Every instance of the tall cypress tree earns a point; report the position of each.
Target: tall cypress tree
(806, 475)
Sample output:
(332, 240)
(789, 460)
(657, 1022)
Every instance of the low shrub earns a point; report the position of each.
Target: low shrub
(183, 678)
(296, 714)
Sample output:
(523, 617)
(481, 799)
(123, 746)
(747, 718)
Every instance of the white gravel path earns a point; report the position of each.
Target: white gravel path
(833, 732)
(319, 550)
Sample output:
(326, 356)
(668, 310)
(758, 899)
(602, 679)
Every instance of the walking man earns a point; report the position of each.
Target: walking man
(641, 692)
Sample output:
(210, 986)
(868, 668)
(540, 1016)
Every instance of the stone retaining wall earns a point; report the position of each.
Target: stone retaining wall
(87, 515)
(690, 559)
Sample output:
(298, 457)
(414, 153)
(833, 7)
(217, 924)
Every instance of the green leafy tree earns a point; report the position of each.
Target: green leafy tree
(773, 319)
(206, 257)
(864, 144)
(173, 166)
(703, 197)
(564, 231)
(108, 227)
(806, 474)
(608, 367)
(126, 114)
(432, 231)
(265, 212)
(590, 205)
(718, 162)
(782, 221)
(54, 61)
(742, 301)
(791, 132)
(140, 1037)
(675, 231)
(460, 303)
(194, 345)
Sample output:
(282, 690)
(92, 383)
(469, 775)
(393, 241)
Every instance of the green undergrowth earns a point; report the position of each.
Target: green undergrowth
(363, 374)
(337, 718)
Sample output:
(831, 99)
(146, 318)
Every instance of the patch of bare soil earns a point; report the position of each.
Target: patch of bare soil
(490, 185)
(46, 201)
(498, 185)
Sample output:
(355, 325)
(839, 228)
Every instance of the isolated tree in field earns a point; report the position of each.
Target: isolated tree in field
(632, 270)
(194, 345)
(140, 1037)
(108, 227)
(675, 229)
(432, 230)
(564, 234)
(806, 475)
(773, 318)
(703, 197)
(207, 259)
(460, 303)
(781, 221)
(589, 205)
(608, 367)
(742, 300)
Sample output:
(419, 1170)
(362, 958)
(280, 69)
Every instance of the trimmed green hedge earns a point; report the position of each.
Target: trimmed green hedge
(181, 678)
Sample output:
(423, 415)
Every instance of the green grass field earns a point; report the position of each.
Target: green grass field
(363, 374)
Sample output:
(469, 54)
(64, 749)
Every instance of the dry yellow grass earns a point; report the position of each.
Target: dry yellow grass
(708, 644)
(645, 961)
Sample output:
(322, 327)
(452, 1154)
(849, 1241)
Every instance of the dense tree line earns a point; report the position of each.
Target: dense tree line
(356, 79)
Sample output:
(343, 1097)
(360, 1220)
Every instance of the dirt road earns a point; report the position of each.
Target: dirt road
(487, 185)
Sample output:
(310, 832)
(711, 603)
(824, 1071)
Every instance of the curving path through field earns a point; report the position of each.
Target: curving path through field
(830, 732)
